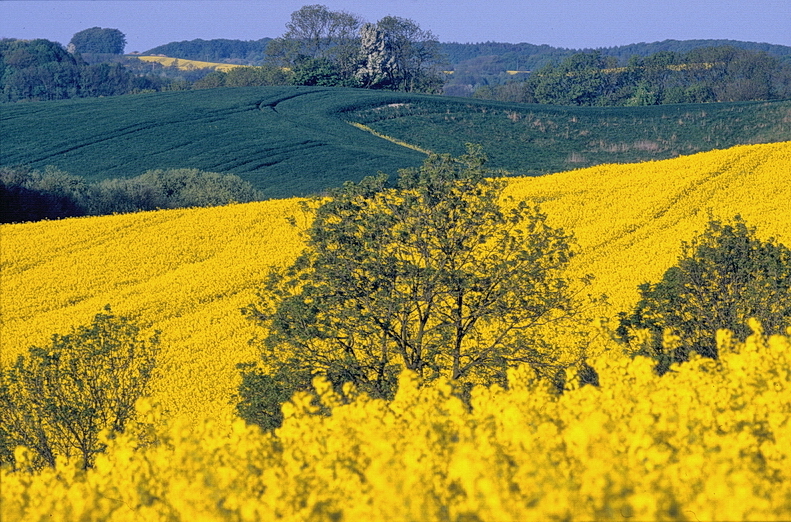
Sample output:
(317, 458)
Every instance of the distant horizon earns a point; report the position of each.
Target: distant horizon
(566, 24)
(517, 43)
(64, 44)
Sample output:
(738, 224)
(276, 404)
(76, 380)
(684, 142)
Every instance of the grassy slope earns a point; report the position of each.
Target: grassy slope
(295, 141)
(187, 272)
(286, 141)
(539, 139)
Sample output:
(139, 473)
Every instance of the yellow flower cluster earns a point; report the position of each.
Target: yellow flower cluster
(710, 440)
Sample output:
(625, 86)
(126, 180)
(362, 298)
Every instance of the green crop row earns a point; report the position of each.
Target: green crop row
(298, 140)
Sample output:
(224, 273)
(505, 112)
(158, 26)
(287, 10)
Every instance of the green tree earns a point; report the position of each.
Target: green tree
(578, 80)
(412, 56)
(316, 32)
(98, 40)
(723, 277)
(261, 394)
(37, 70)
(321, 72)
(212, 80)
(57, 399)
(433, 275)
(256, 76)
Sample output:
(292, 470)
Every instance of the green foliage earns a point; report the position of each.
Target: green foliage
(325, 48)
(317, 36)
(37, 69)
(213, 80)
(578, 80)
(261, 395)
(481, 67)
(723, 277)
(414, 55)
(99, 40)
(294, 141)
(40, 70)
(173, 188)
(246, 52)
(320, 72)
(57, 399)
(32, 196)
(432, 275)
(53, 194)
(706, 74)
(257, 76)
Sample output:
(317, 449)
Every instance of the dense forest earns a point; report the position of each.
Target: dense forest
(45, 70)
(242, 52)
(702, 75)
(492, 64)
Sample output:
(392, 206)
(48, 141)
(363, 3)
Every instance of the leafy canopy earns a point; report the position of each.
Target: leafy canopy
(724, 277)
(99, 40)
(57, 399)
(432, 275)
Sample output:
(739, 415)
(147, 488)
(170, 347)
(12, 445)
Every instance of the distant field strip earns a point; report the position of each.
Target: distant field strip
(295, 141)
(186, 65)
(389, 138)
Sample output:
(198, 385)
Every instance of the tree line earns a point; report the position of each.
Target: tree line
(702, 75)
(41, 70)
(322, 47)
(242, 52)
(30, 195)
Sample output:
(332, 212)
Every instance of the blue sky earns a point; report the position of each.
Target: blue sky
(563, 23)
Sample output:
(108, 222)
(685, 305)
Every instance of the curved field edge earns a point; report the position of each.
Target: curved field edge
(187, 272)
(539, 139)
(295, 141)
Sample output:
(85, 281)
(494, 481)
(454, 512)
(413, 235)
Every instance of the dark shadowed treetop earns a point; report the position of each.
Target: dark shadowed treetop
(98, 40)
(724, 277)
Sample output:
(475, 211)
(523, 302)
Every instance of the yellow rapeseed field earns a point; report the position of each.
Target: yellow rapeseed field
(184, 272)
(188, 64)
(710, 440)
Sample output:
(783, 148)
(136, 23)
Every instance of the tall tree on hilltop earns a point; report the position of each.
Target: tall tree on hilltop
(98, 40)
(314, 32)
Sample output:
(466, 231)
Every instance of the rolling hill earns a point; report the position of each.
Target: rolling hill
(187, 272)
(712, 438)
(291, 141)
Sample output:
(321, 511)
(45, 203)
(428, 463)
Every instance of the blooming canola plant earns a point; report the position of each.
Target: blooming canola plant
(710, 440)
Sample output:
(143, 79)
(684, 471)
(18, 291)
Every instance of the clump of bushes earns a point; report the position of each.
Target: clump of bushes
(723, 278)
(57, 399)
(30, 195)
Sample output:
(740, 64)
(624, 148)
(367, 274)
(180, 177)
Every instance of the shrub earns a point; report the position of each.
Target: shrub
(724, 277)
(57, 399)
